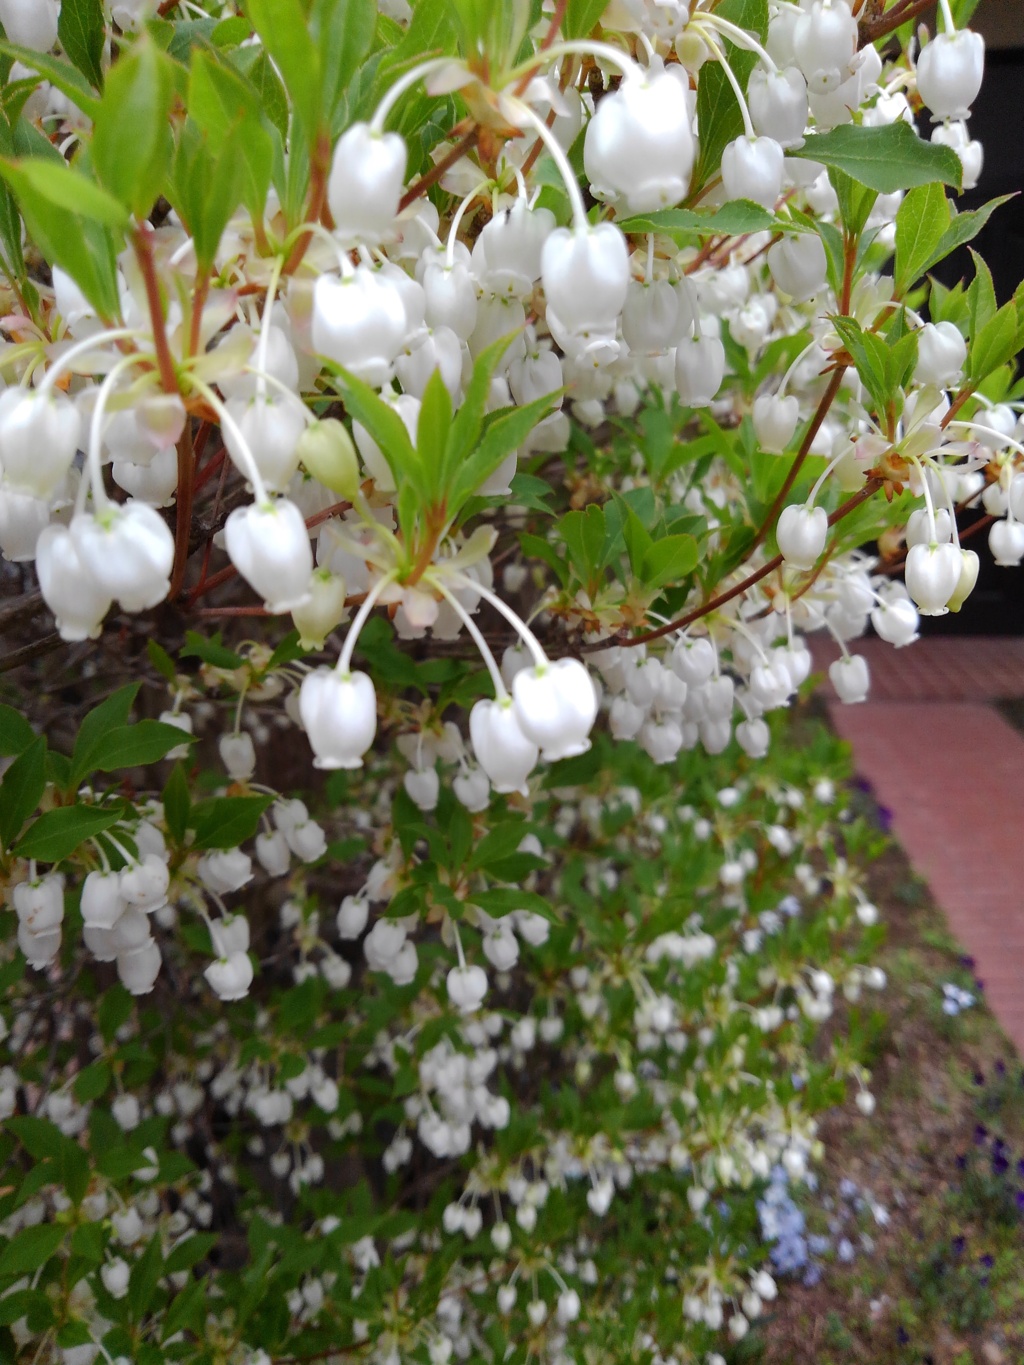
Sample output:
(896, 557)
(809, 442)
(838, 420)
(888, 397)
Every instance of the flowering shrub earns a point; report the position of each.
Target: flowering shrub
(567, 357)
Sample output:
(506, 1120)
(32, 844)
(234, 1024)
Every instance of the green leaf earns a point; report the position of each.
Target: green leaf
(57, 833)
(734, 218)
(994, 345)
(342, 31)
(387, 429)
(254, 63)
(10, 218)
(30, 1249)
(80, 29)
(131, 746)
(432, 427)
(205, 185)
(963, 228)
(885, 159)
(855, 201)
(187, 1311)
(64, 188)
(190, 1252)
(221, 102)
(719, 119)
(284, 31)
(92, 1081)
(15, 732)
(21, 790)
(669, 560)
(581, 17)
(870, 356)
(145, 1276)
(161, 661)
(111, 713)
(504, 431)
(921, 223)
(226, 821)
(131, 142)
(211, 651)
(68, 1163)
(585, 534)
(465, 429)
(177, 804)
(65, 77)
(51, 198)
(981, 295)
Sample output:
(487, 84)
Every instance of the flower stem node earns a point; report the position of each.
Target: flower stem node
(269, 546)
(556, 706)
(339, 714)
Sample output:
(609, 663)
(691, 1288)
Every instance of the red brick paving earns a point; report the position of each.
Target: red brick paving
(951, 770)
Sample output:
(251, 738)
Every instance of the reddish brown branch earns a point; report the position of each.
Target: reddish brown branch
(144, 255)
(425, 182)
(183, 509)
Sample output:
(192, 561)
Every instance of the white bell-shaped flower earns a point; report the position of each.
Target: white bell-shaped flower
(39, 904)
(272, 853)
(699, 370)
(438, 349)
(941, 354)
(950, 70)
(923, 527)
(970, 566)
(467, 987)
(269, 546)
(40, 948)
(693, 660)
(753, 737)
(225, 870)
(352, 917)
(1006, 541)
(501, 947)
(506, 256)
(238, 754)
(586, 273)
(656, 315)
(799, 266)
(154, 482)
(339, 714)
(450, 296)
(896, 621)
(23, 518)
(472, 789)
(662, 739)
(78, 603)
(778, 104)
(269, 427)
(230, 977)
(752, 168)
(139, 968)
(801, 533)
(102, 904)
(39, 436)
(932, 573)
(850, 678)
(556, 706)
(30, 23)
(775, 420)
(825, 43)
(144, 884)
(365, 184)
(639, 145)
(423, 787)
(359, 322)
(503, 750)
(127, 551)
(954, 134)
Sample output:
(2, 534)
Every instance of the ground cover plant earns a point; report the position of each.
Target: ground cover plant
(429, 435)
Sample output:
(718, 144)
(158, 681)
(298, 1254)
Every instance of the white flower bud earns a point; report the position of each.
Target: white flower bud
(932, 573)
(144, 884)
(102, 903)
(139, 968)
(272, 853)
(896, 621)
(114, 1275)
(423, 787)
(502, 748)
(225, 870)
(30, 23)
(23, 518)
(970, 565)
(1006, 541)
(778, 104)
(269, 546)
(238, 754)
(269, 428)
(352, 917)
(78, 603)
(365, 184)
(971, 153)
(585, 272)
(472, 789)
(775, 421)
(467, 987)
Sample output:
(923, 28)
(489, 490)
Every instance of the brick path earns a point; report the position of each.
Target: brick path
(951, 770)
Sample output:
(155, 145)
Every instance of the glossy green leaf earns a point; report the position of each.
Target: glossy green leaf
(67, 79)
(734, 218)
(227, 821)
(64, 188)
(206, 186)
(131, 143)
(669, 560)
(57, 833)
(921, 223)
(15, 732)
(132, 746)
(222, 103)
(284, 30)
(81, 33)
(30, 1249)
(110, 713)
(144, 1278)
(582, 16)
(387, 429)
(21, 790)
(177, 803)
(886, 159)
